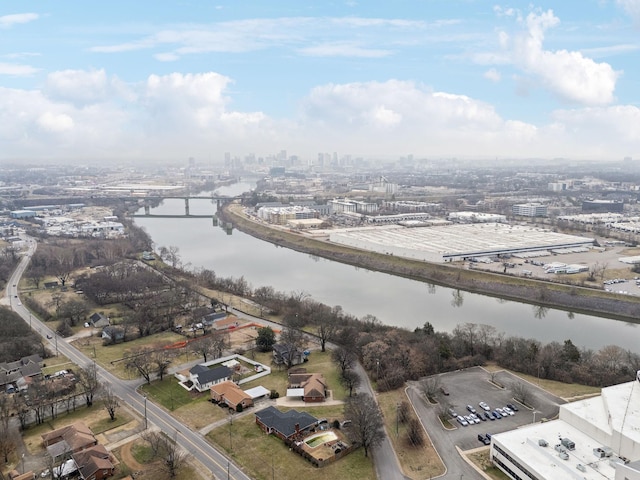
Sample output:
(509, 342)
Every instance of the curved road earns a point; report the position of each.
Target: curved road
(194, 443)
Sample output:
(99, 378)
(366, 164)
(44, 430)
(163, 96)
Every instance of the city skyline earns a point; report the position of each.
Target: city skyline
(436, 79)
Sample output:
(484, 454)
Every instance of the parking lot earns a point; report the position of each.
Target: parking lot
(471, 386)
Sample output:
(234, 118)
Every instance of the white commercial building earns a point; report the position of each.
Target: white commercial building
(455, 242)
(593, 439)
(530, 209)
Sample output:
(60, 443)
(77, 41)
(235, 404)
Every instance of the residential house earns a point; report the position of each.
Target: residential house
(288, 355)
(229, 393)
(14, 375)
(285, 425)
(94, 463)
(65, 441)
(202, 377)
(312, 387)
(112, 334)
(99, 320)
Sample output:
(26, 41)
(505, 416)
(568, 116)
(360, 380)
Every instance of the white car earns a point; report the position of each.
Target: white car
(484, 406)
(508, 410)
(462, 421)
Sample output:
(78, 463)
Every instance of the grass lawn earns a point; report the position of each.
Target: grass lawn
(265, 456)
(111, 356)
(481, 459)
(560, 389)
(416, 462)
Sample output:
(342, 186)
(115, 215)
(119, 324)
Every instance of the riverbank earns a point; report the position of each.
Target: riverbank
(570, 298)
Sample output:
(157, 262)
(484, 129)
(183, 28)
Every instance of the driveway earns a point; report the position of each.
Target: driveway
(468, 387)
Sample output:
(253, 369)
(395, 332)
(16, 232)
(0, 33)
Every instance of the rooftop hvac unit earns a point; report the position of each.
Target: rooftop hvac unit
(581, 467)
(568, 443)
(564, 455)
(543, 443)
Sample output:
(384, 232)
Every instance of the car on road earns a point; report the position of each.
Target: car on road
(484, 406)
(512, 407)
(471, 409)
(484, 439)
(49, 336)
(462, 421)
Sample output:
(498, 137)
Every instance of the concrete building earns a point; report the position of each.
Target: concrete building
(603, 206)
(455, 242)
(593, 439)
(530, 210)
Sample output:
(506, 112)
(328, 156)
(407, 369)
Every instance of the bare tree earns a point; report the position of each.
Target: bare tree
(141, 363)
(415, 433)
(430, 387)
(111, 402)
(295, 340)
(172, 457)
(161, 360)
(521, 392)
(344, 358)
(366, 421)
(89, 382)
(8, 435)
(350, 380)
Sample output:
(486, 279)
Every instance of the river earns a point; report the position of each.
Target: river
(393, 300)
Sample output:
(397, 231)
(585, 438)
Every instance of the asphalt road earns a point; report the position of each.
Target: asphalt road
(219, 466)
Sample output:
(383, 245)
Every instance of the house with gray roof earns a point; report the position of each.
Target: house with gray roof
(202, 377)
(12, 373)
(99, 320)
(285, 425)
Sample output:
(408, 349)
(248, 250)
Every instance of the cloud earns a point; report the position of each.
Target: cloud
(339, 49)
(305, 35)
(53, 122)
(493, 75)
(77, 85)
(569, 75)
(632, 7)
(17, 70)
(7, 21)
(181, 114)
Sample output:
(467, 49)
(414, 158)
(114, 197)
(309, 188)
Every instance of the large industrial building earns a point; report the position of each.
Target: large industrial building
(593, 439)
(456, 242)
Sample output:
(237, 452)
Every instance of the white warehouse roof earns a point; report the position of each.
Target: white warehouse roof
(455, 242)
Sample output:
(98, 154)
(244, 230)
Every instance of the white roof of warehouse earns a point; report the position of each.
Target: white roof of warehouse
(454, 240)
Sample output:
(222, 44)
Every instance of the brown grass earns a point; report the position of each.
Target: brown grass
(417, 462)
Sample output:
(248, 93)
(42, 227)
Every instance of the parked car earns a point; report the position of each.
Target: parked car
(488, 416)
(484, 439)
(501, 412)
(484, 406)
(496, 415)
(469, 420)
(453, 413)
(462, 421)
(444, 391)
(512, 407)
(471, 409)
(508, 411)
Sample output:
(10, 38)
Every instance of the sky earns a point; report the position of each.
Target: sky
(437, 79)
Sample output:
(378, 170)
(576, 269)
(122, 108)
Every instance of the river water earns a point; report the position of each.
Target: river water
(393, 300)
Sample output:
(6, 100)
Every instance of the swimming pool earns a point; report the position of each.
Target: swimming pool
(320, 438)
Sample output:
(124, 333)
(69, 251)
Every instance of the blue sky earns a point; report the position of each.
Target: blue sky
(170, 80)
